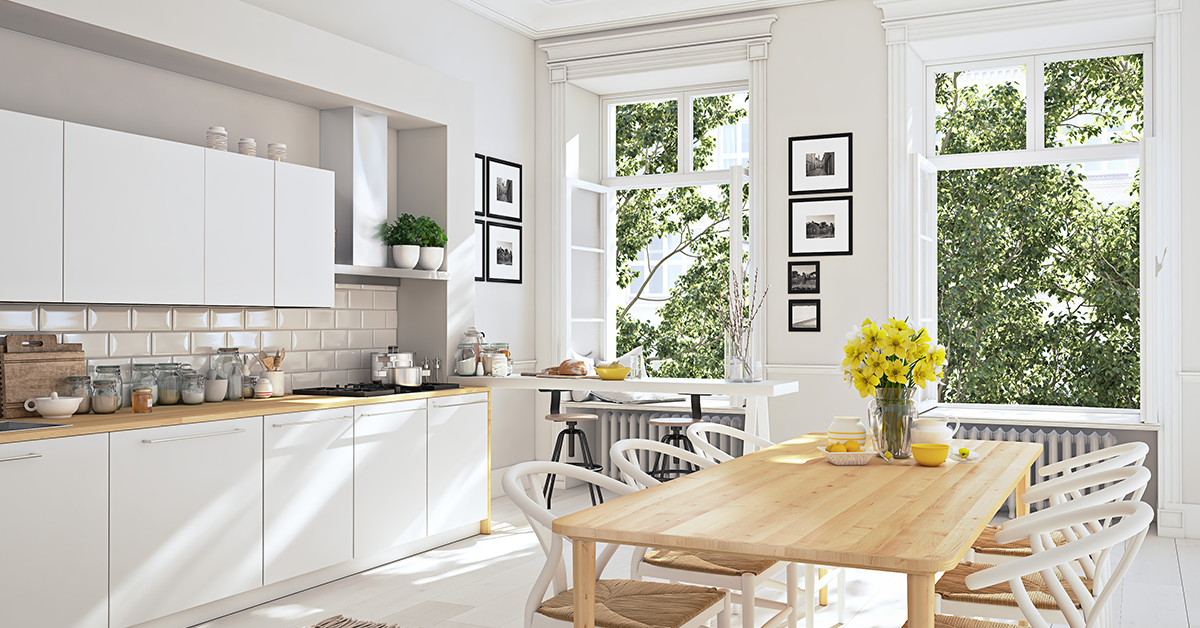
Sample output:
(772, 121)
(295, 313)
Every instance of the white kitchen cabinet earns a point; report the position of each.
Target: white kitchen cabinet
(239, 201)
(133, 218)
(31, 211)
(458, 461)
(54, 533)
(308, 494)
(304, 235)
(186, 517)
(389, 476)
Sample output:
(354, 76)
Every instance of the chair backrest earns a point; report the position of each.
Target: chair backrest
(1134, 522)
(698, 434)
(624, 455)
(1123, 455)
(518, 484)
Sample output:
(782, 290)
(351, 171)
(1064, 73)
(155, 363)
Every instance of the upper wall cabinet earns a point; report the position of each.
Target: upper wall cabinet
(133, 214)
(304, 236)
(31, 212)
(239, 218)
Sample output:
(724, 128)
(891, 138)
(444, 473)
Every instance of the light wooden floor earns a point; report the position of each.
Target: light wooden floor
(482, 582)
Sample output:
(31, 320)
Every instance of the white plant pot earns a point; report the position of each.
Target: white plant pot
(431, 257)
(406, 255)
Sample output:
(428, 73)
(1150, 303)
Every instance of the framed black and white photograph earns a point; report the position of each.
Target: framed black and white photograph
(480, 185)
(480, 251)
(804, 315)
(503, 189)
(820, 164)
(804, 277)
(820, 226)
(504, 253)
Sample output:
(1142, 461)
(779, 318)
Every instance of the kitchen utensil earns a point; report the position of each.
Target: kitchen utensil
(615, 373)
(33, 365)
(215, 390)
(53, 407)
(930, 454)
(404, 376)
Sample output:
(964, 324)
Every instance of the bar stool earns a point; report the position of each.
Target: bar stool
(659, 470)
(572, 431)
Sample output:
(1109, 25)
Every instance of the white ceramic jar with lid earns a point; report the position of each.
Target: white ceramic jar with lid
(845, 428)
(217, 138)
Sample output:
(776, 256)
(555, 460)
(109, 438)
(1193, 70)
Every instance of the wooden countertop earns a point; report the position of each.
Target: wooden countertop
(125, 419)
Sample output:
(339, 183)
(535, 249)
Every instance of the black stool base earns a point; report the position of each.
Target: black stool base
(659, 470)
(570, 434)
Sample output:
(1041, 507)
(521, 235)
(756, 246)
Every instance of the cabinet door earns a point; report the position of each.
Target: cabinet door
(186, 517)
(133, 216)
(54, 533)
(458, 461)
(31, 212)
(308, 494)
(389, 476)
(303, 236)
(239, 218)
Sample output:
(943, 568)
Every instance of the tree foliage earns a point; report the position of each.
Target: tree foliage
(1038, 281)
(688, 341)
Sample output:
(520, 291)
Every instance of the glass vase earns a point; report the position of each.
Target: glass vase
(891, 414)
(739, 369)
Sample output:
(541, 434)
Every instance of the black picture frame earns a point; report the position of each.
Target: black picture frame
(809, 156)
(495, 271)
(480, 185)
(800, 286)
(802, 324)
(831, 211)
(498, 206)
(481, 250)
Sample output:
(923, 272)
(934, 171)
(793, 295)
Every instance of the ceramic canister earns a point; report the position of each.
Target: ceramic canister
(845, 428)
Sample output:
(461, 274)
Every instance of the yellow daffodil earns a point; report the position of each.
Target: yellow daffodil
(865, 382)
(898, 325)
(894, 370)
(874, 363)
(924, 372)
(918, 352)
(854, 353)
(938, 355)
(872, 336)
(894, 345)
(922, 337)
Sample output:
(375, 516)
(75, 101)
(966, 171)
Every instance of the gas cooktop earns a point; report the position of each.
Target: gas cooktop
(369, 389)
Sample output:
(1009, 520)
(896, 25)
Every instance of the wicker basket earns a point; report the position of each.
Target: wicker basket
(848, 458)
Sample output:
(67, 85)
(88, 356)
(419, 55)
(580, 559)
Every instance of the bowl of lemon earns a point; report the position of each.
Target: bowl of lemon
(846, 453)
(615, 371)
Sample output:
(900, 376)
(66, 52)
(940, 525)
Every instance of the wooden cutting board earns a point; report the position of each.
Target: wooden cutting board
(34, 365)
(549, 376)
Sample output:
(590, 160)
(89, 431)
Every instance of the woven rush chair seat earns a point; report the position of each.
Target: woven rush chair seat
(708, 562)
(950, 621)
(633, 604)
(986, 543)
(951, 586)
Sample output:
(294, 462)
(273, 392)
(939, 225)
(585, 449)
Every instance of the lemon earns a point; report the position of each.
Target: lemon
(836, 448)
(852, 445)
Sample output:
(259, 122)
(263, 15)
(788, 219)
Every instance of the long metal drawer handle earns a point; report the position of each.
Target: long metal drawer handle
(456, 405)
(340, 418)
(25, 457)
(175, 438)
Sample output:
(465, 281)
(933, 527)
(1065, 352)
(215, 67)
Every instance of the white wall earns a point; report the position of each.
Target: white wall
(1190, 256)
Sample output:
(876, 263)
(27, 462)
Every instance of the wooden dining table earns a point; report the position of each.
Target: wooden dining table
(787, 503)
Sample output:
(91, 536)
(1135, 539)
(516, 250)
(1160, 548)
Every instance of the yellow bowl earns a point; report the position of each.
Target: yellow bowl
(929, 454)
(613, 373)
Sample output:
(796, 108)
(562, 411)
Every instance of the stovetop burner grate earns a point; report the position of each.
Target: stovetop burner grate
(369, 389)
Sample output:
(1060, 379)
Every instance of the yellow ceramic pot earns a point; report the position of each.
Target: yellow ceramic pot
(930, 454)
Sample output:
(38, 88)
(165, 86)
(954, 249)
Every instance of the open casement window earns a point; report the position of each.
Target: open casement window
(924, 189)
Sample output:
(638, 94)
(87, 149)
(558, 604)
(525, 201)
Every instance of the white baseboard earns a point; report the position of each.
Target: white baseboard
(1179, 521)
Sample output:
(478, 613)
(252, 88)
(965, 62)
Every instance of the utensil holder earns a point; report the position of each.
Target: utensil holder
(276, 378)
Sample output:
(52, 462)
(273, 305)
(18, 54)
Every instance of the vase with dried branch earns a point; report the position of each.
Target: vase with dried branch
(745, 302)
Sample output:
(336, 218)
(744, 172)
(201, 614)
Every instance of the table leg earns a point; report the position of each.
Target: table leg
(696, 408)
(757, 421)
(824, 596)
(555, 402)
(1022, 486)
(584, 583)
(920, 600)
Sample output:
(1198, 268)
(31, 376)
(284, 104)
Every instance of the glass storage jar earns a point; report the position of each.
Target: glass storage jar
(142, 400)
(169, 380)
(108, 374)
(146, 376)
(106, 396)
(465, 359)
(191, 388)
(228, 365)
(487, 354)
(248, 382)
(80, 386)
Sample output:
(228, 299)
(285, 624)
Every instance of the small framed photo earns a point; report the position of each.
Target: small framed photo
(804, 315)
(804, 277)
(480, 251)
(504, 253)
(480, 185)
(820, 164)
(820, 226)
(503, 189)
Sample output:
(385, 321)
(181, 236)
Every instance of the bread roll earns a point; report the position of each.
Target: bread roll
(572, 367)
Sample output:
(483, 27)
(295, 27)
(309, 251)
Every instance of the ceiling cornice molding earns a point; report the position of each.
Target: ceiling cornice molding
(499, 18)
(933, 19)
(738, 31)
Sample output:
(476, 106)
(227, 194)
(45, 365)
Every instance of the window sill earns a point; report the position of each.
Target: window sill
(1043, 416)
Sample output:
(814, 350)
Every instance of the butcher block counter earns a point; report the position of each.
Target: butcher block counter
(124, 419)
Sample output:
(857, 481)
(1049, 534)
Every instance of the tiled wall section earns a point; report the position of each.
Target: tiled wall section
(324, 347)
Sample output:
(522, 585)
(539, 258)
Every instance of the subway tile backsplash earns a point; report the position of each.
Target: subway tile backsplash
(324, 347)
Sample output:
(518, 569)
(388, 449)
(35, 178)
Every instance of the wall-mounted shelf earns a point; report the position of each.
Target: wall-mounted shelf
(388, 273)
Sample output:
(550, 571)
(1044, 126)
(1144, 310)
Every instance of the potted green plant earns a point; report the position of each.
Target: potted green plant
(401, 235)
(432, 240)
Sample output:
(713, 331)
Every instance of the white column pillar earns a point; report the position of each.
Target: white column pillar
(757, 55)
(900, 236)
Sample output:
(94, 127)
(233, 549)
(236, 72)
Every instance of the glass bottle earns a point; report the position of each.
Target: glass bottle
(464, 361)
(108, 374)
(80, 386)
(146, 376)
(106, 395)
(168, 383)
(228, 365)
(191, 389)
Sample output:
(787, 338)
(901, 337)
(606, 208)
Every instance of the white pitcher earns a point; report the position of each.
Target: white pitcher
(845, 428)
(933, 430)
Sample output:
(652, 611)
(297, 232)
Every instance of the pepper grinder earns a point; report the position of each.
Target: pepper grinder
(437, 370)
(425, 371)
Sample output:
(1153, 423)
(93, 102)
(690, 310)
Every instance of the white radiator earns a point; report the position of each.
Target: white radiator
(1056, 446)
(618, 425)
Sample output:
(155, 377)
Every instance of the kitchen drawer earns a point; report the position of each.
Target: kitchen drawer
(457, 400)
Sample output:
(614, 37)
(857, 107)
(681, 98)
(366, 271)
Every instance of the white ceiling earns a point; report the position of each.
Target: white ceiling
(541, 19)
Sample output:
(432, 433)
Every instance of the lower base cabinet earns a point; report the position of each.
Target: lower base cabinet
(186, 517)
(389, 476)
(54, 533)
(458, 461)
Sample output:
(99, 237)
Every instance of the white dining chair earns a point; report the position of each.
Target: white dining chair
(739, 574)
(658, 604)
(1045, 577)
(954, 598)
(698, 434)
